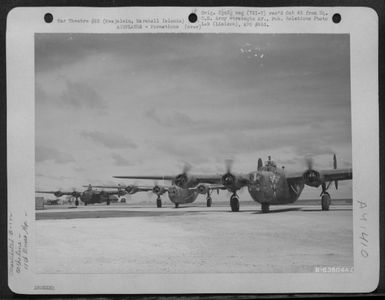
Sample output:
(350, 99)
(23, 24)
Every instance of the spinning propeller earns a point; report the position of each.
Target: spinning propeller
(313, 177)
(228, 179)
(182, 179)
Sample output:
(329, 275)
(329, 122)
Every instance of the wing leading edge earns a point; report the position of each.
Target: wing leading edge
(327, 175)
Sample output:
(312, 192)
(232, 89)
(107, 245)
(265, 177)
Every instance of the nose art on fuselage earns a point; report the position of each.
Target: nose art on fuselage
(255, 182)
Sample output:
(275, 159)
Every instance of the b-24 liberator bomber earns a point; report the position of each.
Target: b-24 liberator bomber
(89, 196)
(268, 185)
(177, 195)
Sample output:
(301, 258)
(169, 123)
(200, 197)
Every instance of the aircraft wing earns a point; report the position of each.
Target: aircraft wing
(200, 178)
(107, 186)
(217, 187)
(209, 186)
(54, 192)
(144, 188)
(327, 175)
(147, 177)
(121, 188)
(337, 174)
(212, 179)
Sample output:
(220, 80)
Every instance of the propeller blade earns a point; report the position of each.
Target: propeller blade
(229, 165)
(186, 168)
(334, 161)
(309, 163)
(336, 184)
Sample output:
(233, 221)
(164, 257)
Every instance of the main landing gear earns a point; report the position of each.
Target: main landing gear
(176, 205)
(158, 202)
(265, 208)
(209, 201)
(77, 202)
(325, 198)
(234, 202)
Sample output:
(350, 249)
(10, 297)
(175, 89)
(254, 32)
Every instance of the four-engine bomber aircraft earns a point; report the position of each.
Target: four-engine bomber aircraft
(176, 194)
(89, 196)
(269, 185)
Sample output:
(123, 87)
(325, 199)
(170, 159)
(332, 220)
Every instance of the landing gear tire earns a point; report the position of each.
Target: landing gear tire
(325, 201)
(77, 202)
(108, 202)
(209, 202)
(265, 208)
(234, 203)
(123, 200)
(176, 205)
(158, 203)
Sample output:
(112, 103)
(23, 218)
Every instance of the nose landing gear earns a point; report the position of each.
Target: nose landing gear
(265, 208)
(208, 199)
(234, 202)
(158, 202)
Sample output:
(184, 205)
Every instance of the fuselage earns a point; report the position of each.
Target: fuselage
(269, 185)
(179, 195)
(90, 197)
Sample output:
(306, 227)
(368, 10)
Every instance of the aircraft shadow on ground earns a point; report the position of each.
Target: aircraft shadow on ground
(181, 211)
(110, 214)
(280, 210)
(320, 210)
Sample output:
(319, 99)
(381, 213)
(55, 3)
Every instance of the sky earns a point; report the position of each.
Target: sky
(145, 104)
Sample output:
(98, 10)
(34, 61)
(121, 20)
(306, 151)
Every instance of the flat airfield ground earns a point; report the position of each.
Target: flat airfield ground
(127, 238)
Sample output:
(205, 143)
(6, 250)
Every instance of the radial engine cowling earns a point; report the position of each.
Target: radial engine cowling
(202, 189)
(228, 180)
(312, 178)
(158, 190)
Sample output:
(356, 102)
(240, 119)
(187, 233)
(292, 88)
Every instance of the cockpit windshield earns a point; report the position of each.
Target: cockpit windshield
(269, 165)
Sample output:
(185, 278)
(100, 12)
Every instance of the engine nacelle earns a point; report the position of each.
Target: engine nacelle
(158, 190)
(312, 178)
(131, 189)
(58, 194)
(121, 192)
(228, 180)
(184, 181)
(202, 189)
(75, 194)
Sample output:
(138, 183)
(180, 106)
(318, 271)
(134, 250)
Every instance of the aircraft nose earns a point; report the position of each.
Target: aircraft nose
(172, 191)
(255, 180)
